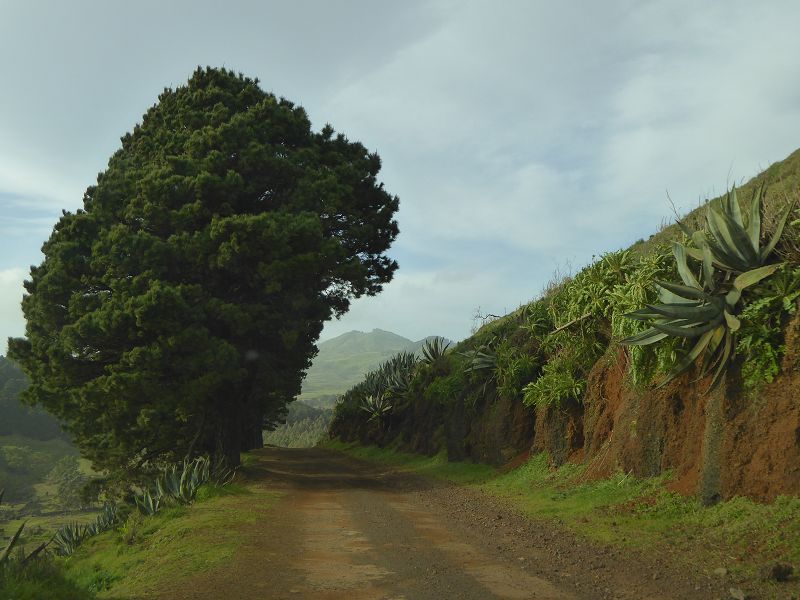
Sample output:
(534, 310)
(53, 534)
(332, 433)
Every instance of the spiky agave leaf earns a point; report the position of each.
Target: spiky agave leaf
(735, 246)
(148, 503)
(694, 313)
(399, 383)
(108, 517)
(377, 406)
(691, 311)
(68, 537)
(433, 350)
(481, 359)
(11, 543)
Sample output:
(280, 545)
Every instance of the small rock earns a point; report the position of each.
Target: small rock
(737, 594)
(778, 572)
(721, 571)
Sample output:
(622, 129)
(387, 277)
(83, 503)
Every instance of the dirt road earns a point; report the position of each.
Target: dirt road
(347, 530)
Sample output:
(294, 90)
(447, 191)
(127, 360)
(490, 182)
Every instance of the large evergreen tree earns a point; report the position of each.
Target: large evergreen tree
(177, 311)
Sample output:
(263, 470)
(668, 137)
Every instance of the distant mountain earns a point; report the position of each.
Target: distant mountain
(17, 418)
(344, 360)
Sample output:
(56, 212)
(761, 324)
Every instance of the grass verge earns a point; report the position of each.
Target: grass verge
(463, 473)
(37, 580)
(744, 537)
(148, 556)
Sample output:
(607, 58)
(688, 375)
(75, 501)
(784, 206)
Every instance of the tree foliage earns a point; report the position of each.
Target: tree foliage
(176, 312)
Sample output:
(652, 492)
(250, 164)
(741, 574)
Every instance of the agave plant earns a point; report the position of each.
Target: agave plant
(433, 350)
(148, 502)
(68, 537)
(399, 382)
(168, 484)
(181, 482)
(704, 309)
(482, 360)
(6, 552)
(735, 246)
(194, 474)
(378, 407)
(108, 517)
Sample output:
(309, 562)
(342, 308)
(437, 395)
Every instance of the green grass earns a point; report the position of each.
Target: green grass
(25, 463)
(38, 580)
(463, 473)
(740, 535)
(40, 529)
(147, 554)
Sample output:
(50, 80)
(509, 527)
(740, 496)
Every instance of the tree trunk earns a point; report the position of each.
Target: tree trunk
(710, 476)
(229, 442)
(253, 436)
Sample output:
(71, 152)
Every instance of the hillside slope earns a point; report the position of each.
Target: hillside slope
(342, 361)
(31, 441)
(559, 382)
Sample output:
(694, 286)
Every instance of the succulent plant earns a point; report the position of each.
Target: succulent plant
(704, 309)
(735, 246)
(6, 552)
(68, 537)
(108, 517)
(433, 350)
(147, 502)
(377, 407)
(481, 359)
(10, 545)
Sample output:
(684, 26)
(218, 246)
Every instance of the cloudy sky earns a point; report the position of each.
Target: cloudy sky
(521, 137)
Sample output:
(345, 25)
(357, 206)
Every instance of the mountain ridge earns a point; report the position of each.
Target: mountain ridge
(342, 361)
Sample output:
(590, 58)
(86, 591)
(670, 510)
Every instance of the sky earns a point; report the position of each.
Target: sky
(522, 138)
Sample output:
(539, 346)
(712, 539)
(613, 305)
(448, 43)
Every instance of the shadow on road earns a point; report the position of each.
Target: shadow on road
(313, 468)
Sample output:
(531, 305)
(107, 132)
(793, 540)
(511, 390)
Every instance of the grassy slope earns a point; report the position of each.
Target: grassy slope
(39, 580)
(739, 535)
(344, 360)
(36, 458)
(148, 554)
(782, 181)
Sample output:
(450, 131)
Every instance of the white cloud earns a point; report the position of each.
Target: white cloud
(12, 323)
(519, 135)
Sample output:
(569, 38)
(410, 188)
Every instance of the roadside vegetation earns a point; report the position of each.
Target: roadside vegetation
(723, 284)
(182, 523)
(30, 573)
(305, 426)
(147, 554)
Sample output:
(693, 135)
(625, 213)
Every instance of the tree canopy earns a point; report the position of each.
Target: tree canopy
(176, 313)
